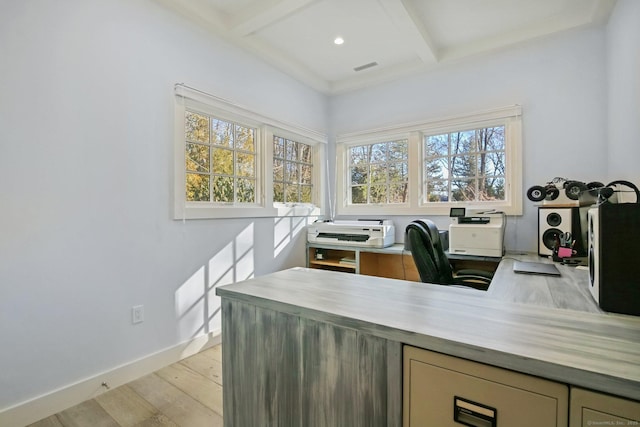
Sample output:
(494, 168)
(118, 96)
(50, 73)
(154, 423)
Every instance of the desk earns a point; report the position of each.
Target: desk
(330, 344)
(569, 291)
(393, 261)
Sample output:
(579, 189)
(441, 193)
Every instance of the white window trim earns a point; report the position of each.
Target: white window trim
(342, 168)
(187, 97)
(510, 116)
(319, 175)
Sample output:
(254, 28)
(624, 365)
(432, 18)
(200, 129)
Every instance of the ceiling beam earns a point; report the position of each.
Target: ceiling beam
(403, 16)
(265, 17)
(200, 11)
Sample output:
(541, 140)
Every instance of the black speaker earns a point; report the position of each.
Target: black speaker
(614, 275)
(554, 221)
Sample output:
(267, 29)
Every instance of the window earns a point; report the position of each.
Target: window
(378, 173)
(292, 171)
(220, 160)
(428, 167)
(465, 166)
(230, 162)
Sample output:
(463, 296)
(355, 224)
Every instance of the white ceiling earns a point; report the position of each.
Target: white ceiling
(401, 36)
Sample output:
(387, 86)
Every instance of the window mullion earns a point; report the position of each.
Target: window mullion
(450, 168)
(210, 171)
(416, 169)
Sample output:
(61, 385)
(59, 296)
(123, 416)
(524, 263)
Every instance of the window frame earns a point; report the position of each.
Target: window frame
(318, 179)
(349, 187)
(462, 128)
(187, 98)
(235, 152)
(510, 117)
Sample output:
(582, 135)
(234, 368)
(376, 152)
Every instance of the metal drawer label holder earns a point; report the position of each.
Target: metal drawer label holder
(470, 413)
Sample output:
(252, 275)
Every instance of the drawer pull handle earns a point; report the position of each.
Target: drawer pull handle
(473, 414)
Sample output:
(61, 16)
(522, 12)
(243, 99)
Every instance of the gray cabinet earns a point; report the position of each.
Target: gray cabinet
(284, 370)
(589, 408)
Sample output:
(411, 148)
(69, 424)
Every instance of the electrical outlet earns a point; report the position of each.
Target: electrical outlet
(137, 314)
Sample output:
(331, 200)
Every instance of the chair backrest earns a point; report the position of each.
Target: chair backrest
(422, 252)
(432, 262)
(442, 261)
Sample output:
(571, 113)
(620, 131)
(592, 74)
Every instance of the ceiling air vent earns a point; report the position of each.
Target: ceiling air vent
(365, 66)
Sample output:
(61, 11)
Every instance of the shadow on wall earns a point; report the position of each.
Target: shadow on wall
(198, 308)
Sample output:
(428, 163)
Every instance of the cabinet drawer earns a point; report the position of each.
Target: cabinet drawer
(589, 408)
(437, 386)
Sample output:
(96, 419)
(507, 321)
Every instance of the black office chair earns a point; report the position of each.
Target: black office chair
(423, 240)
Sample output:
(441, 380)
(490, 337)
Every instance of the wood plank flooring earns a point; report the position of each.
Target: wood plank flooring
(185, 394)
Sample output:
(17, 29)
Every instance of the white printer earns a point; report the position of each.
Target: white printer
(368, 233)
(481, 234)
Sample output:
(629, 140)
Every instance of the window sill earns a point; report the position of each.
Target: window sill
(298, 210)
(440, 209)
(221, 212)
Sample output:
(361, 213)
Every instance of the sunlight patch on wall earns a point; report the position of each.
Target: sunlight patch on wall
(221, 267)
(244, 254)
(285, 230)
(221, 272)
(196, 303)
(190, 304)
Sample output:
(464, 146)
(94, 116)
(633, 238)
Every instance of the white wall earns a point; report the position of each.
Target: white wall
(86, 158)
(623, 76)
(86, 114)
(560, 82)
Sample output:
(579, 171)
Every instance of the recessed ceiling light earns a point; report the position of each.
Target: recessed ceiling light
(338, 40)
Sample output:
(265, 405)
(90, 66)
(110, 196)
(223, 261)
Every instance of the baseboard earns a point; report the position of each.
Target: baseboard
(35, 409)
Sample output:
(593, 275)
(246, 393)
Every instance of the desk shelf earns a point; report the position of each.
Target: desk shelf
(332, 259)
(334, 263)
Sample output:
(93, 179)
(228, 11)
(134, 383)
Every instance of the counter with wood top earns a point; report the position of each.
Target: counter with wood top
(324, 348)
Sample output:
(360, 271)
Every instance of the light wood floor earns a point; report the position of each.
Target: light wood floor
(185, 394)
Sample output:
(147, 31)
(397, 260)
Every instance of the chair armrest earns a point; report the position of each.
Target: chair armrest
(470, 272)
(477, 279)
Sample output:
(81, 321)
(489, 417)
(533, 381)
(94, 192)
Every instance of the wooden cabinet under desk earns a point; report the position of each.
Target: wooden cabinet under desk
(392, 266)
(393, 262)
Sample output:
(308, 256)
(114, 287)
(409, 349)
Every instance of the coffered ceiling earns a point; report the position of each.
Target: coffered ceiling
(383, 39)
